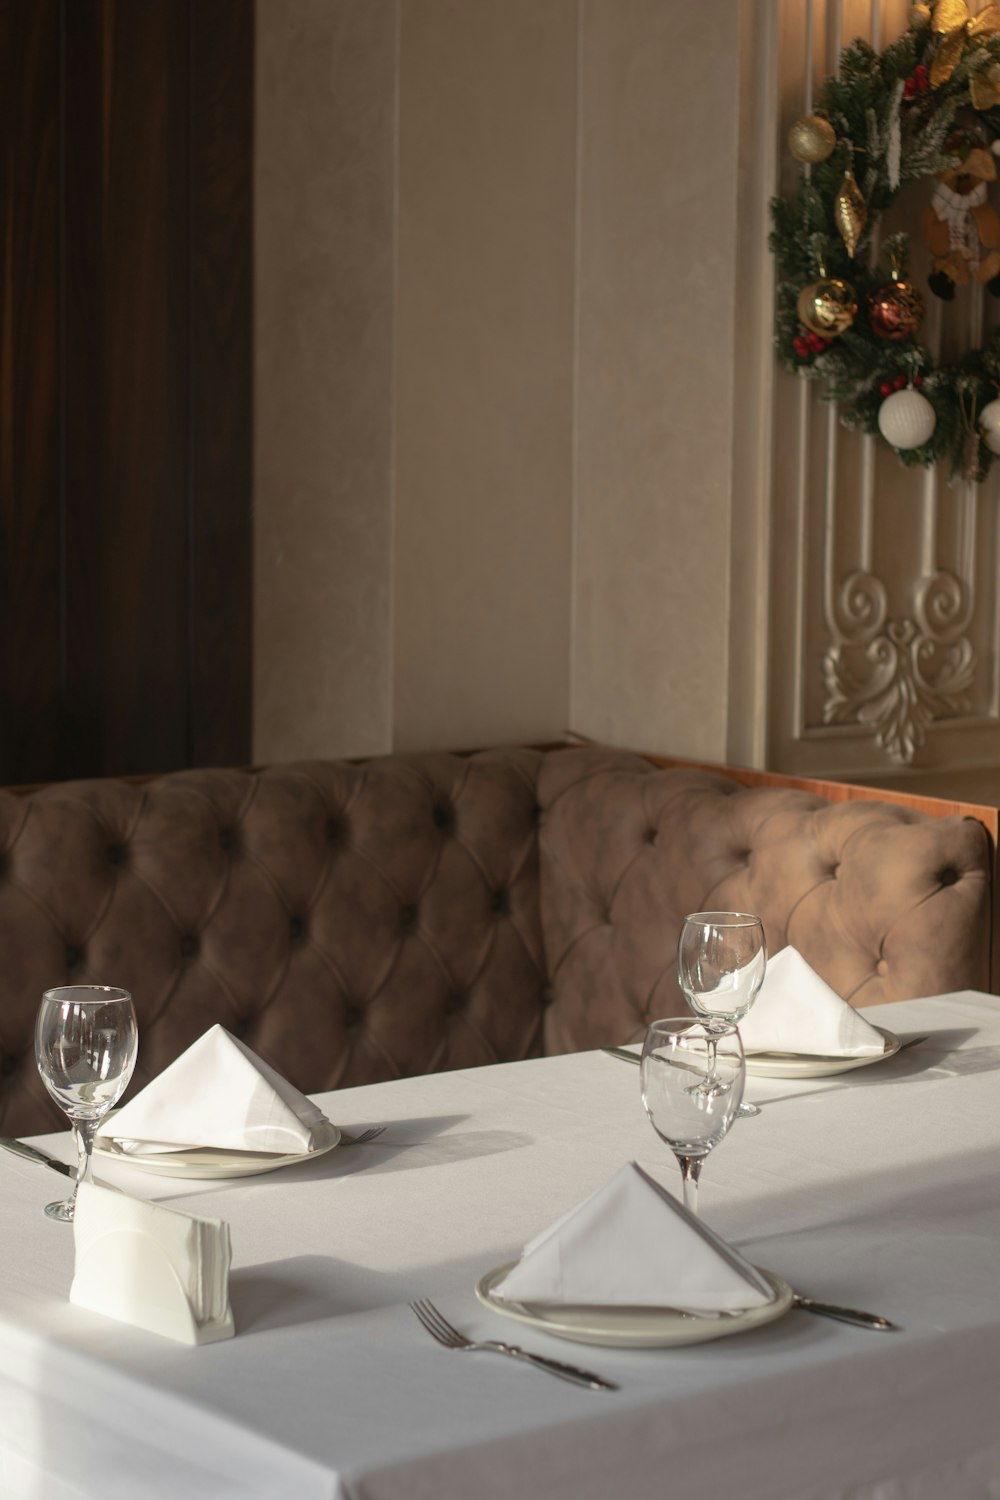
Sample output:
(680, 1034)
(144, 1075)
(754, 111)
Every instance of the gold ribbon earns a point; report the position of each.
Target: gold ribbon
(957, 30)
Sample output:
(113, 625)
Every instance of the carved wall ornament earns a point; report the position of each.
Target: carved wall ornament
(897, 676)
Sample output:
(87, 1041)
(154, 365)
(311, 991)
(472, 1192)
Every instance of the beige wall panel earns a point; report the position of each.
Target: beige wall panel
(658, 276)
(484, 370)
(324, 225)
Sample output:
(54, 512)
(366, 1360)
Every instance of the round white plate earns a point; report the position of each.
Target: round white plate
(632, 1327)
(801, 1065)
(207, 1162)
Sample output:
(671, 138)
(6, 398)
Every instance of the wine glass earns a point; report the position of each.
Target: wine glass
(692, 1119)
(721, 960)
(86, 1042)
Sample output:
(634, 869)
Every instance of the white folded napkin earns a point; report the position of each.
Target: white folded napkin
(631, 1244)
(220, 1094)
(156, 1267)
(797, 1011)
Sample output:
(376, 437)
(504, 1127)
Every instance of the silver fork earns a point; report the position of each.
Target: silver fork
(373, 1131)
(439, 1328)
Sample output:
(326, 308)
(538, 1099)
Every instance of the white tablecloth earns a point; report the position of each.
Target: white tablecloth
(878, 1189)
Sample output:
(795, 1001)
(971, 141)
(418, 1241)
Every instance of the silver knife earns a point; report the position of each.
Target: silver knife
(844, 1314)
(634, 1057)
(32, 1153)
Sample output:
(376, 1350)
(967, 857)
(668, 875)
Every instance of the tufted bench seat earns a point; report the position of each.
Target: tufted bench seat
(355, 922)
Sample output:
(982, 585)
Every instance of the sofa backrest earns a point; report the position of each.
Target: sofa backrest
(355, 922)
(884, 901)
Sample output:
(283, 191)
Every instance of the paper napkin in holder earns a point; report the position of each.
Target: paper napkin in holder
(151, 1266)
(221, 1095)
(632, 1244)
(796, 1011)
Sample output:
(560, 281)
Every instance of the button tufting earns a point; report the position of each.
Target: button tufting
(500, 903)
(228, 840)
(650, 836)
(116, 854)
(4, 863)
(74, 957)
(9, 1066)
(455, 1002)
(546, 995)
(948, 876)
(443, 817)
(189, 944)
(297, 929)
(353, 1016)
(335, 830)
(834, 870)
(882, 968)
(407, 918)
(536, 814)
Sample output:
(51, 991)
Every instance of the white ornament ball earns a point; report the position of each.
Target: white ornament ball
(989, 426)
(906, 419)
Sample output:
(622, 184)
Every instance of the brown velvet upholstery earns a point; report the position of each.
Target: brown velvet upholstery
(360, 922)
(885, 902)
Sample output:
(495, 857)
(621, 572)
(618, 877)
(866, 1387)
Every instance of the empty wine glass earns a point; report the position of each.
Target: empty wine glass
(692, 1119)
(86, 1042)
(721, 961)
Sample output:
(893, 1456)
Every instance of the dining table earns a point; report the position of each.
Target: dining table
(877, 1188)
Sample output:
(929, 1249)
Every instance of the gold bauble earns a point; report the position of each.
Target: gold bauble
(811, 139)
(895, 310)
(827, 306)
(850, 212)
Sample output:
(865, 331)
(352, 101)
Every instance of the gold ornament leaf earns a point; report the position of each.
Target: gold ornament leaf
(850, 212)
(947, 58)
(957, 29)
(984, 87)
(950, 15)
(987, 23)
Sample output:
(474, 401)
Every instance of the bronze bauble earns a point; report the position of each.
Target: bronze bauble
(811, 139)
(895, 310)
(827, 306)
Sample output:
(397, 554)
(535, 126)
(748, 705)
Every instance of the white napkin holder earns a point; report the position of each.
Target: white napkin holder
(156, 1268)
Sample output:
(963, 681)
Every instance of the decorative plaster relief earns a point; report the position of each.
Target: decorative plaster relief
(896, 676)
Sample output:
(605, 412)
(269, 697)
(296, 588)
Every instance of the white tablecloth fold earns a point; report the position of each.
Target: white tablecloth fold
(632, 1244)
(797, 1011)
(220, 1094)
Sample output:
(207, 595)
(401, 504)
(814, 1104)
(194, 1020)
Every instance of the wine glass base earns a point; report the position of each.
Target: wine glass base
(62, 1211)
(747, 1111)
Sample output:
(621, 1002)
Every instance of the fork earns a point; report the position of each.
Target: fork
(439, 1328)
(373, 1131)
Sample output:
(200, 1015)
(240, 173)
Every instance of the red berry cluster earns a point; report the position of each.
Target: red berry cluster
(916, 86)
(807, 344)
(888, 386)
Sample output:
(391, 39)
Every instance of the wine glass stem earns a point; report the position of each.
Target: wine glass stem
(690, 1172)
(84, 1132)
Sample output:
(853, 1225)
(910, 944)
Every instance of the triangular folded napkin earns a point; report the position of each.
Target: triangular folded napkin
(219, 1094)
(797, 1011)
(631, 1244)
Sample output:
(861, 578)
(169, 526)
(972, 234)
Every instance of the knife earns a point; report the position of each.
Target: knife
(844, 1314)
(634, 1057)
(32, 1153)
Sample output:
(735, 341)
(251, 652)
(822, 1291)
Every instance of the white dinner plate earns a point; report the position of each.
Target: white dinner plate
(632, 1327)
(802, 1065)
(207, 1162)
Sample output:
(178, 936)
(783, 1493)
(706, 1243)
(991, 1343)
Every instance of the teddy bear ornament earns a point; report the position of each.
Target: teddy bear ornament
(960, 227)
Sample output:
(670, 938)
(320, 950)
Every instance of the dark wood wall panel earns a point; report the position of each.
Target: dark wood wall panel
(153, 171)
(31, 664)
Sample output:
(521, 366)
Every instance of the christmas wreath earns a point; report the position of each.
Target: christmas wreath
(926, 107)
